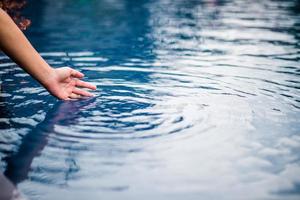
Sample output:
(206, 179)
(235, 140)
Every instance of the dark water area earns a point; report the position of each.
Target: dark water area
(195, 100)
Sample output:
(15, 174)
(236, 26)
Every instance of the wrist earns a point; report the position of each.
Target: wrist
(47, 75)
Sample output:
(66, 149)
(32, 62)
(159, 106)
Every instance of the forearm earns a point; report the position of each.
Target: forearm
(63, 82)
(14, 43)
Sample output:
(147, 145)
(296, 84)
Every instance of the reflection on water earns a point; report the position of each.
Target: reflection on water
(18, 165)
(196, 99)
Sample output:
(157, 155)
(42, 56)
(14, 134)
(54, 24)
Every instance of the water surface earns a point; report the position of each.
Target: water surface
(195, 100)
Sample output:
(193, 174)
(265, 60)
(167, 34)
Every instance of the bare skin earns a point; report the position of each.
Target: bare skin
(62, 83)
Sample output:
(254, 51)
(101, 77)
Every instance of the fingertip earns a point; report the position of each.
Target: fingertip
(93, 87)
(77, 74)
(81, 74)
(90, 94)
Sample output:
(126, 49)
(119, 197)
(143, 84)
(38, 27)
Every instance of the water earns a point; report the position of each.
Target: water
(195, 100)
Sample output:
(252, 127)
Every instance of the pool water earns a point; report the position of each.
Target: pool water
(195, 100)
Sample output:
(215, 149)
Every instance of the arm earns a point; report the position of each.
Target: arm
(63, 82)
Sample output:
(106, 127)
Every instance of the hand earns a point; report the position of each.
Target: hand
(64, 84)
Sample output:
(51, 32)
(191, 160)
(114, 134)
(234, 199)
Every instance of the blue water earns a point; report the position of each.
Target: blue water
(195, 100)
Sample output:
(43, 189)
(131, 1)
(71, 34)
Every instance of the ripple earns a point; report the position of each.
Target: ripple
(188, 92)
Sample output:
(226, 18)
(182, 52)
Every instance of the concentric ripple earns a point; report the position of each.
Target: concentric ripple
(194, 100)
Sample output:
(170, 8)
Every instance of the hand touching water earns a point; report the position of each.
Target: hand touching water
(64, 83)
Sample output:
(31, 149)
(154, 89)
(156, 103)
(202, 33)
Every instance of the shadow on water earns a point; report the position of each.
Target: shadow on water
(19, 164)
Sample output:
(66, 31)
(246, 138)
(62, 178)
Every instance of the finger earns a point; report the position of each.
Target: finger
(74, 96)
(83, 84)
(68, 99)
(82, 92)
(76, 73)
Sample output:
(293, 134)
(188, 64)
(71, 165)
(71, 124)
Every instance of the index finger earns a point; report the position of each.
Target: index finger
(83, 84)
(76, 74)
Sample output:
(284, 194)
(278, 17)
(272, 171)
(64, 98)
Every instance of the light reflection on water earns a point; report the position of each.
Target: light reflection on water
(195, 100)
